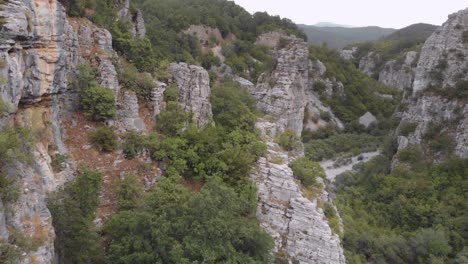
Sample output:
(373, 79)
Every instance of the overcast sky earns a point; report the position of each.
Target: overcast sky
(384, 13)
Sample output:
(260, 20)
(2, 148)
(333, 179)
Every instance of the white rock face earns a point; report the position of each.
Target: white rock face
(443, 57)
(368, 63)
(41, 49)
(298, 226)
(281, 94)
(445, 46)
(129, 113)
(399, 74)
(367, 119)
(194, 91)
(157, 98)
(348, 54)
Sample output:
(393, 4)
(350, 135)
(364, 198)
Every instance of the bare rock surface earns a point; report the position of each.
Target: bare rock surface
(194, 91)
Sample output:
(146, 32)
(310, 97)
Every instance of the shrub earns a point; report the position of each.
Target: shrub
(104, 138)
(408, 128)
(461, 90)
(465, 36)
(4, 107)
(171, 94)
(133, 145)
(307, 171)
(9, 191)
(288, 140)
(172, 120)
(98, 103)
(58, 162)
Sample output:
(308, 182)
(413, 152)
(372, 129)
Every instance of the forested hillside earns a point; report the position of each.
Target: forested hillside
(340, 37)
(191, 131)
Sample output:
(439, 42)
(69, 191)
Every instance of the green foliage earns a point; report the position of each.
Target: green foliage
(340, 144)
(412, 215)
(438, 139)
(408, 128)
(307, 171)
(73, 211)
(10, 254)
(213, 226)
(9, 191)
(172, 120)
(171, 94)
(129, 77)
(332, 217)
(104, 138)
(4, 107)
(289, 140)
(98, 103)
(233, 107)
(133, 144)
(130, 193)
(208, 60)
(227, 150)
(360, 93)
(15, 146)
(58, 162)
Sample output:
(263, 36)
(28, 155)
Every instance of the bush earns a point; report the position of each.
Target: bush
(9, 191)
(134, 143)
(171, 94)
(172, 120)
(465, 36)
(98, 103)
(408, 128)
(307, 171)
(289, 140)
(4, 107)
(104, 138)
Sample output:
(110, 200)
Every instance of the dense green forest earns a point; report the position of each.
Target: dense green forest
(416, 213)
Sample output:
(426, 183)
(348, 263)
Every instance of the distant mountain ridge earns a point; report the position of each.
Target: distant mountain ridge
(339, 37)
(330, 24)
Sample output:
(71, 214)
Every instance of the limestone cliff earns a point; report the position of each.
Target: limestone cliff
(40, 50)
(299, 227)
(194, 91)
(433, 104)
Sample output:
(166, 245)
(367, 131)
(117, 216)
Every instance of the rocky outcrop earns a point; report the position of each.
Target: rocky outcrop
(441, 65)
(367, 119)
(368, 64)
(443, 57)
(398, 73)
(137, 23)
(281, 94)
(194, 91)
(348, 54)
(95, 45)
(40, 52)
(129, 113)
(157, 98)
(299, 227)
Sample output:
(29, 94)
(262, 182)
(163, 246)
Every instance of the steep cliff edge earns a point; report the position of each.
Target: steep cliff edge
(299, 227)
(437, 109)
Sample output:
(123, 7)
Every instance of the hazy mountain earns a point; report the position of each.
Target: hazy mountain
(415, 32)
(330, 24)
(339, 37)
